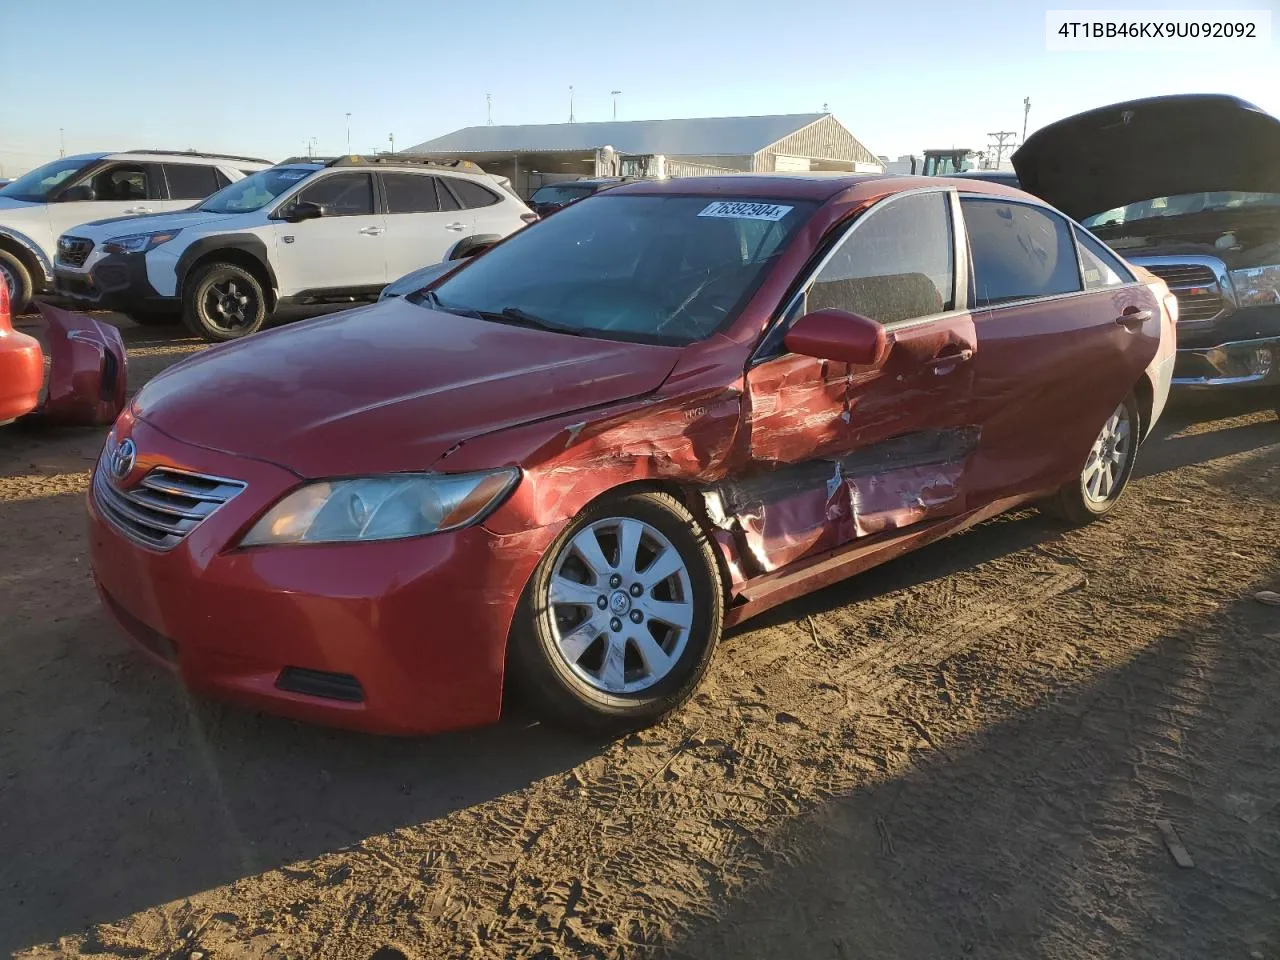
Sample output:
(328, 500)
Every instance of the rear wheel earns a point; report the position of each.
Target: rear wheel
(1095, 492)
(223, 301)
(15, 275)
(621, 617)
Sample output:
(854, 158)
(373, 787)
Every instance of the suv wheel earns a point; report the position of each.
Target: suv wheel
(223, 301)
(621, 617)
(15, 276)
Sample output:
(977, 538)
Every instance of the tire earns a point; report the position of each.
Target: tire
(14, 273)
(232, 286)
(1106, 471)
(597, 691)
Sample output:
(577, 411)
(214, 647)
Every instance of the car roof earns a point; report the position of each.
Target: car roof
(191, 156)
(809, 186)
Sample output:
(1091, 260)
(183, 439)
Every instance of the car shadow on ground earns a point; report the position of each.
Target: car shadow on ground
(1038, 837)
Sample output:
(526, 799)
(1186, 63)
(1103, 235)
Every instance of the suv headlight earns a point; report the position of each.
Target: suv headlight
(1257, 286)
(382, 508)
(139, 242)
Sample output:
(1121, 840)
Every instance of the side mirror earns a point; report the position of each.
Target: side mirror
(80, 192)
(839, 336)
(305, 210)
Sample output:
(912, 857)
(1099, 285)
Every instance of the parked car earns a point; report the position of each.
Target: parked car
(304, 231)
(86, 371)
(574, 459)
(38, 206)
(1006, 177)
(1189, 188)
(551, 197)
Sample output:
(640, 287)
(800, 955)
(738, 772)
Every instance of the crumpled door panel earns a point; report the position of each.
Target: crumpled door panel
(88, 372)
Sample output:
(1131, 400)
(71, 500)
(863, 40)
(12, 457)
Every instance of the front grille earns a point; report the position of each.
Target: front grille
(164, 506)
(74, 251)
(1196, 287)
(320, 683)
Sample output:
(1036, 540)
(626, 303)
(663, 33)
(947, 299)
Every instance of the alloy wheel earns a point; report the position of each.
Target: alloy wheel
(10, 281)
(1105, 467)
(621, 605)
(229, 306)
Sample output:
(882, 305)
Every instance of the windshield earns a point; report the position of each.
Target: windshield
(1183, 204)
(256, 191)
(657, 269)
(40, 182)
(560, 193)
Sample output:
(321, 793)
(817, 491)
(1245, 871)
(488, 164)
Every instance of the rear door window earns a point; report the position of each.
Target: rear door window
(898, 263)
(190, 181)
(445, 196)
(410, 193)
(344, 194)
(1019, 251)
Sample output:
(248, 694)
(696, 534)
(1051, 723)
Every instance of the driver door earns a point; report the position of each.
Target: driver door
(340, 254)
(116, 190)
(839, 452)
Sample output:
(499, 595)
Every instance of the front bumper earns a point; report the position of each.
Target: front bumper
(117, 281)
(1243, 351)
(419, 625)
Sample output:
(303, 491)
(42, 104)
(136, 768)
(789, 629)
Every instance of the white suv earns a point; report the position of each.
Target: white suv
(37, 207)
(304, 231)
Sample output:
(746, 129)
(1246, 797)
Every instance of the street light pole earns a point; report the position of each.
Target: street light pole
(348, 132)
(614, 94)
(62, 143)
(1026, 112)
(391, 137)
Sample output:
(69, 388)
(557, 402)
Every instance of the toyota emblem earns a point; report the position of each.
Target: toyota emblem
(123, 457)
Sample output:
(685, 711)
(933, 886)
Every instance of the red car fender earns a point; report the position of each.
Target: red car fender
(88, 369)
(21, 372)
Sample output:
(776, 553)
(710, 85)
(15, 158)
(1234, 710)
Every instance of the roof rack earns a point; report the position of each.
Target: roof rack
(388, 159)
(200, 153)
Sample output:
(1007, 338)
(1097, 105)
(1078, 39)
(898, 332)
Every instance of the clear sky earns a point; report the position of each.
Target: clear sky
(260, 77)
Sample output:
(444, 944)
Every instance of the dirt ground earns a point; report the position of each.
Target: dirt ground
(963, 753)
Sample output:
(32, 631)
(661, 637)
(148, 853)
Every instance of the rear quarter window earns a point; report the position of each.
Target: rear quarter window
(471, 195)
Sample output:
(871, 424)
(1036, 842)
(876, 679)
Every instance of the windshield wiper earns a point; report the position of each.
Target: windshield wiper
(524, 318)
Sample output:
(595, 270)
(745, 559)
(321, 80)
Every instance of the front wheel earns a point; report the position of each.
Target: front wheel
(223, 301)
(1095, 492)
(621, 616)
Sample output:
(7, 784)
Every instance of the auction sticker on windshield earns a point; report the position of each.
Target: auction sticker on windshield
(739, 210)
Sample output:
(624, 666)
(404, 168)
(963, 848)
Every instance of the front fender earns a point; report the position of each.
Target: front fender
(88, 369)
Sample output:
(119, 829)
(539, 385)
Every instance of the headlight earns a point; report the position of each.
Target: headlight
(139, 242)
(1257, 286)
(382, 508)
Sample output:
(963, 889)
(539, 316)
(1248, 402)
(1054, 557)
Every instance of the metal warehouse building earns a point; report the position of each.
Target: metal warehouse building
(533, 154)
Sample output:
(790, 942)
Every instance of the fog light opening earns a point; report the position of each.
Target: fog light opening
(1261, 362)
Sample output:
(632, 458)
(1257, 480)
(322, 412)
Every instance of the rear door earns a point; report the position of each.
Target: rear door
(190, 183)
(340, 254)
(419, 231)
(1064, 338)
(840, 452)
(489, 214)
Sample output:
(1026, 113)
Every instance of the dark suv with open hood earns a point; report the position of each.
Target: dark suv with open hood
(1189, 188)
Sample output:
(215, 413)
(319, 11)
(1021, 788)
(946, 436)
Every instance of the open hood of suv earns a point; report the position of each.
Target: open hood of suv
(1158, 147)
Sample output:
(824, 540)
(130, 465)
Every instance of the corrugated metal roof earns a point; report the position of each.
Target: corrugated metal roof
(707, 136)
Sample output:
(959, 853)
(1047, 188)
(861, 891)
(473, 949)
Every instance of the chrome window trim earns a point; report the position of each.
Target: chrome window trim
(959, 267)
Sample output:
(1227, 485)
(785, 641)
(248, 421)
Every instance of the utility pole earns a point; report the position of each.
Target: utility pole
(571, 103)
(615, 94)
(999, 143)
(348, 133)
(488, 105)
(1026, 112)
(391, 138)
(311, 142)
(62, 143)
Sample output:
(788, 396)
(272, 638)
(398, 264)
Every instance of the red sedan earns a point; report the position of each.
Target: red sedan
(577, 458)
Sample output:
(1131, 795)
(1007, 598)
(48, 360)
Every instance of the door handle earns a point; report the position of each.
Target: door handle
(950, 359)
(455, 226)
(1133, 318)
(370, 231)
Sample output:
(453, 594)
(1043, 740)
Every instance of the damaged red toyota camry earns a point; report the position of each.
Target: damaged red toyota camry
(576, 458)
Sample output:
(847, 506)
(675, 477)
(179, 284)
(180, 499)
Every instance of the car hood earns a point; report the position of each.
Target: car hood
(387, 388)
(1162, 146)
(178, 220)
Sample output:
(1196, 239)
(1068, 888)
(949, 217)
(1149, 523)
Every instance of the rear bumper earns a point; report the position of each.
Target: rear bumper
(1244, 351)
(21, 374)
(114, 282)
